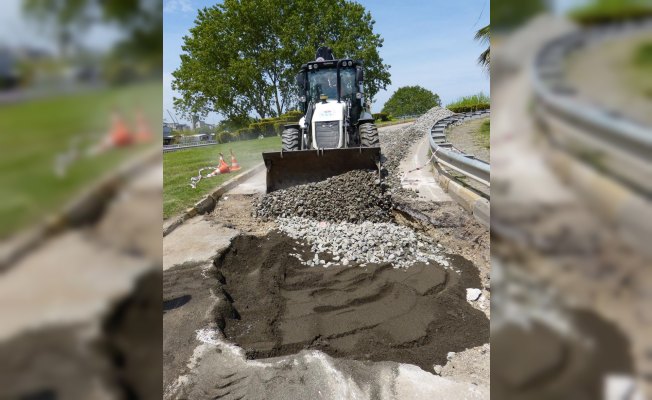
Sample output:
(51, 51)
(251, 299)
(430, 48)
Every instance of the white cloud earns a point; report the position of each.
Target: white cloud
(183, 6)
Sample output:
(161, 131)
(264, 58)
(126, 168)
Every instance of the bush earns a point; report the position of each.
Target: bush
(474, 102)
(266, 127)
(381, 116)
(470, 108)
(611, 11)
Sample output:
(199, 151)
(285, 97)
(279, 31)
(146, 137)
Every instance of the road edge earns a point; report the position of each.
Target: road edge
(82, 209)
(208, 203)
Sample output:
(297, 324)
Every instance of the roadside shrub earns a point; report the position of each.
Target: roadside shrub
(474, 102)
(381, 116)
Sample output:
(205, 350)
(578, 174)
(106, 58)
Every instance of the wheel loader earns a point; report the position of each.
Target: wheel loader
(337, 133)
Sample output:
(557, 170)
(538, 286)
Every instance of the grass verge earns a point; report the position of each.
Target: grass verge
(179, 166)
(34, 132)
(482, 135)
(474, 102)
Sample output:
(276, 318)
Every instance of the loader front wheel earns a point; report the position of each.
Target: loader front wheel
(290, 139)
(368, 135)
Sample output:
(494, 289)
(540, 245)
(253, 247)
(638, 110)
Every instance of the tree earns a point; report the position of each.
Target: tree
(483, 35)
(411, 100)
(242, 56)
(69, 20)
(507, 15)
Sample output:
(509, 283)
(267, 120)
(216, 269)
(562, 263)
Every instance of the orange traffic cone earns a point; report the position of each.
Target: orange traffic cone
(234, 163)
(144, 133)
(120, 135)
(223, 167)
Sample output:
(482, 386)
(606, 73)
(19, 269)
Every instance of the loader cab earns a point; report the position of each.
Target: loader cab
(323, 78)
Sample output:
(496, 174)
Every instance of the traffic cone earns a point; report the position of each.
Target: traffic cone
(223, 167)
(144, 133)
(119, 134)
(234, 163)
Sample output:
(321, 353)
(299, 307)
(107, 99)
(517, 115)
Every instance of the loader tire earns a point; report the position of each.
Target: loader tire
(290, 139)
(368, 135)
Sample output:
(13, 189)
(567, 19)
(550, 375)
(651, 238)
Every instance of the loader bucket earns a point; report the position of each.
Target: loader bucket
(290, 168)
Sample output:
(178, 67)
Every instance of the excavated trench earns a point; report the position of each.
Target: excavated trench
(273, 305)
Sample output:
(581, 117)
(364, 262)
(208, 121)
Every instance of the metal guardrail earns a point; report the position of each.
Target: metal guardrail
(625, 145)
(446, 155)
(175, 147)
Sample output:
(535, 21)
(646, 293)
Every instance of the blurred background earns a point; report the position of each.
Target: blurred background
(80, 210)
(571, 218)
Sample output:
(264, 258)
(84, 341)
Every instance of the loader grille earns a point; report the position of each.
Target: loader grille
(327, 134)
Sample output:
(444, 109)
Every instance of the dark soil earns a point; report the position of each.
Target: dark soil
(415, 315)
(539, 363)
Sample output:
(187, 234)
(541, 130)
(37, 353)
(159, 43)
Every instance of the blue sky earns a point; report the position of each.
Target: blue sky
(427, 43)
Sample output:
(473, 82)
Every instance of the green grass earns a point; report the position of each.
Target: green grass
(643, 56)
(179, 166)
(474, 102)
(640, 71)
(481, 136)
(34, 132)
(606, 11)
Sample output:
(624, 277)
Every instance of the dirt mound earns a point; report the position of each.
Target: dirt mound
(376, 312)
(355, 196)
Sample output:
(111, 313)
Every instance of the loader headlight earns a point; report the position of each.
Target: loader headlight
(350, 63)
(302, 99)
(358, 95)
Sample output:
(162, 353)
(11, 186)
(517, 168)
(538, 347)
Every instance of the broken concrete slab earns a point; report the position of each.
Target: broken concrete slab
(196, 241)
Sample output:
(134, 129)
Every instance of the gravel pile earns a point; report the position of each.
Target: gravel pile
(396, 144)
(346, 243)
(355, 196)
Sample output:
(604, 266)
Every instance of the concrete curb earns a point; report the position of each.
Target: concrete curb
(207, 204)
(628, 212)
(465, 197)
(83, 209)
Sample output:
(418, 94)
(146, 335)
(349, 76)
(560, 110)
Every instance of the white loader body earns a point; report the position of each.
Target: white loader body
(328, 125)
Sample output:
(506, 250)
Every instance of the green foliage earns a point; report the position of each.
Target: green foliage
(411, 100)
(140, 22)
(266, 127)
(607, 11)
(510, 14)
(481, 137)
(643, 55)
(242, 56)
(381, 116)
(483, 35)
(474, 102)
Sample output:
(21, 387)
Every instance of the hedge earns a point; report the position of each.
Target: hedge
(266, 127)
(381, 116)
(469, 108)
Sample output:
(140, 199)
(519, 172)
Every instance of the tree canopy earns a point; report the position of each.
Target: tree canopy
(411, 100)
(242, 56)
